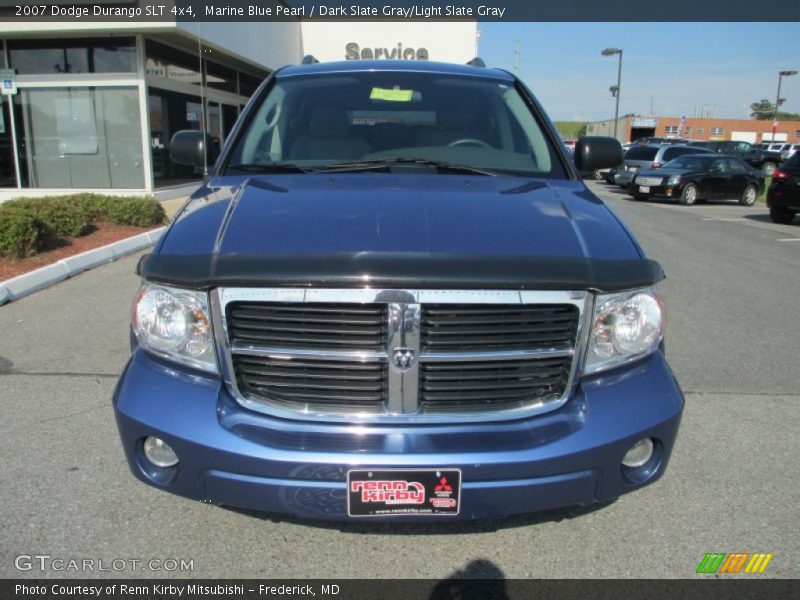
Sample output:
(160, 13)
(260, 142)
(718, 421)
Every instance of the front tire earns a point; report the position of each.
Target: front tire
(688, 195)
(749, 196)
(781, 215)
(768, 168)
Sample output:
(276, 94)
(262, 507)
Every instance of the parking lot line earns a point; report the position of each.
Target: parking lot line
(794, 239)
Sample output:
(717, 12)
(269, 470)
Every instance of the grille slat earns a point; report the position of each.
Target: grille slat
(479, 385)
(307, 381)
(308, 325)
(491, 326)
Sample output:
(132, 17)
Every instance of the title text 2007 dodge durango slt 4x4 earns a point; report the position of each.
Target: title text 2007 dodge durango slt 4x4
(395, 298)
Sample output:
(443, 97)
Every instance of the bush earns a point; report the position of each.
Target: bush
(29, 223)
(62, 218)
(141, 212)
(21, 234)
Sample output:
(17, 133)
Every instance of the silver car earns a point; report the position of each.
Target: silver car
(651, 156)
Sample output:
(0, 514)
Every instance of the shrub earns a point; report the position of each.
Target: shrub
(29, 223)
(62, 218)
(141, 212)
(21, 234)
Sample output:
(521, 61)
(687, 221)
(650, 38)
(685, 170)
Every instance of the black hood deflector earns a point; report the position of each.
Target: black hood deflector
(400, 271)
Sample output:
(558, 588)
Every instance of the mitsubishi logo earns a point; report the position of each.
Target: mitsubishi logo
(403, 359)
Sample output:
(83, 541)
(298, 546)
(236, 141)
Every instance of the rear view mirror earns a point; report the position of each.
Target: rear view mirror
(597, 152)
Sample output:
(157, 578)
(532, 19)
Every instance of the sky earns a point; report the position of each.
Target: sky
(680, 66)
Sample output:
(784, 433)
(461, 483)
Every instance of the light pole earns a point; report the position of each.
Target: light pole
(781, 75)
(612, 52)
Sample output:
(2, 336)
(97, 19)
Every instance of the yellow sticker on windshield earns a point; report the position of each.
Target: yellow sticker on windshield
(391, 95)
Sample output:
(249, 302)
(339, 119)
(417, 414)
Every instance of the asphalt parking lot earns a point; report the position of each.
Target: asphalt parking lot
(732, 296)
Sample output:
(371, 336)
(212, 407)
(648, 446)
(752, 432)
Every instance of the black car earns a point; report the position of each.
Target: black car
(696, 177)
(756, 155)
(783, 197)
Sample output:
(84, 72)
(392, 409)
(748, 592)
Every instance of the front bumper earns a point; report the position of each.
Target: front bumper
(657, 191)
(235, 457)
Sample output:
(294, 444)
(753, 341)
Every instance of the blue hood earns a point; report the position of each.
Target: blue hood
(391, 228)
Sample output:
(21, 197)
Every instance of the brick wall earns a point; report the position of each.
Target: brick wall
(722, 129)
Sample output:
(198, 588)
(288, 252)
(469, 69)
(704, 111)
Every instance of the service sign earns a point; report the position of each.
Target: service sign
(393, 492)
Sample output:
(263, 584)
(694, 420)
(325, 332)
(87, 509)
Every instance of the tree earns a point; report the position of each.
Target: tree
(763, 110)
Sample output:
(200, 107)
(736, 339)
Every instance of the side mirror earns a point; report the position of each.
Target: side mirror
(192, 147)
(597, 152)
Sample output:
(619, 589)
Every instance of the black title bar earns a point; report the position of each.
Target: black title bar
(72, 11)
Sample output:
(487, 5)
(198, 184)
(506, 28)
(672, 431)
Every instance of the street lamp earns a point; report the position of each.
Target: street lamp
(781, 75)
(612, 52)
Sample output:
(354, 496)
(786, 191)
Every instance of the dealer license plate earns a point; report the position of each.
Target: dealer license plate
(644, 189)
(391, 492)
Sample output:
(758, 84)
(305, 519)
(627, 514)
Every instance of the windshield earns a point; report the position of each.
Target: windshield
(316, 122)
(691, 161)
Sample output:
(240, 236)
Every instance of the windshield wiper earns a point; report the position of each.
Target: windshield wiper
(386, 163)
(276, 167)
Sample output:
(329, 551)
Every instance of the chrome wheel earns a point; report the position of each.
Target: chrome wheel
(689, 195)
(749, 196)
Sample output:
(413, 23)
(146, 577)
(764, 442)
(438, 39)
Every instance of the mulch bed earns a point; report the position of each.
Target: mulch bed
(102, 234)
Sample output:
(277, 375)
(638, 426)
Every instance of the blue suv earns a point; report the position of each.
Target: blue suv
(394, 298)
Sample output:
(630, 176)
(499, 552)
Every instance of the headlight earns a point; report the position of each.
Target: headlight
(674, 180)
(176, 324)
(625, 327)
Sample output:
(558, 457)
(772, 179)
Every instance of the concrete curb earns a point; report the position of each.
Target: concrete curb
(27, 283)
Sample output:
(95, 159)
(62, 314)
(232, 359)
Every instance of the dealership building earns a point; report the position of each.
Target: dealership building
(631, 128)
(94, 106)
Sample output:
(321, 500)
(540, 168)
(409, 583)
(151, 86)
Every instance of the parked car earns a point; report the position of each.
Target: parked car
(760, 156)
(783, 196)
(650, 156)
(420, 314)
(789, 150)
(700, 177)
(659, 140)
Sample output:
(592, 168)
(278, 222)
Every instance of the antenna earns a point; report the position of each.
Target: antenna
(516, 58)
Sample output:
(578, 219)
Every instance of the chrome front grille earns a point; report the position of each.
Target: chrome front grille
(399, 355)
(652, 181)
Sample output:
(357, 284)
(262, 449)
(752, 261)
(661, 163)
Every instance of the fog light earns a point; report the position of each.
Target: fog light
(159, 453)
(639, 453)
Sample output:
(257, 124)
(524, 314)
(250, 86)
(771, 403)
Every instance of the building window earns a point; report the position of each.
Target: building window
(797, 133)
(668, 129)
(717, 131)
(80, 137)
(166, 62)
(700, 131)
(102, 55)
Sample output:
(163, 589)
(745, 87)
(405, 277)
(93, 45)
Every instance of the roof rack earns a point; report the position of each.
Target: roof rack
(477, 62)
(309, 59)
